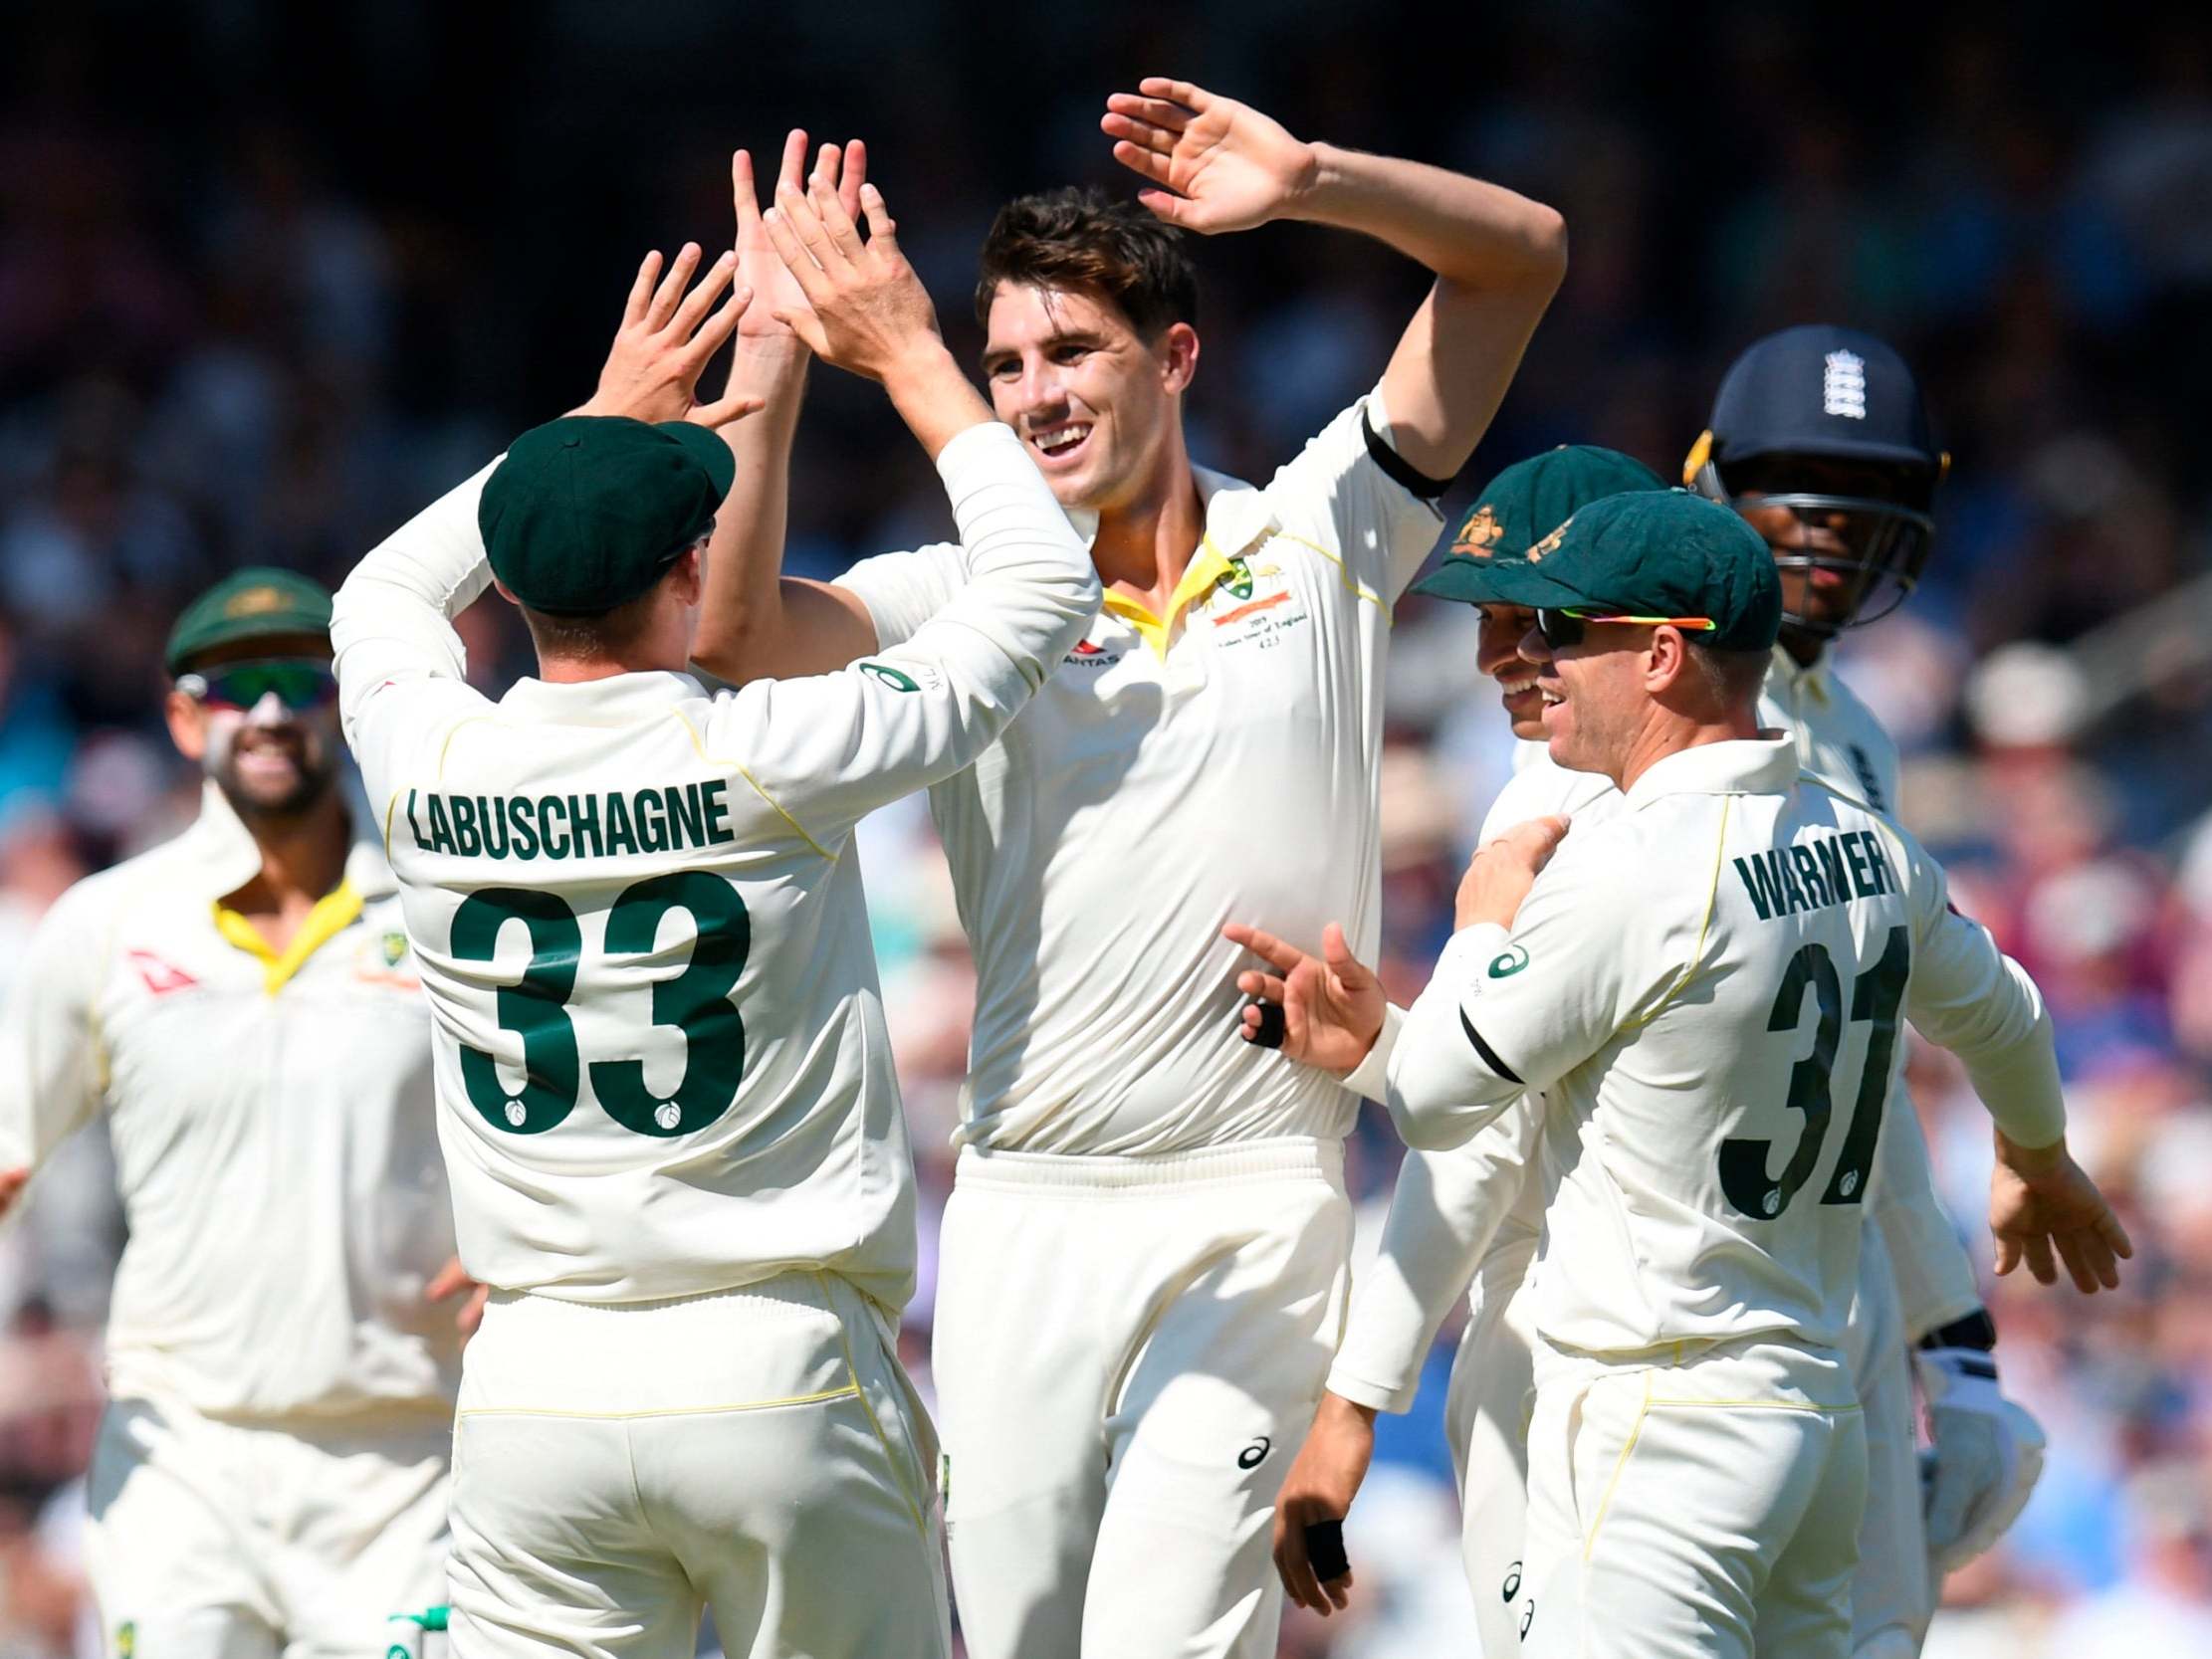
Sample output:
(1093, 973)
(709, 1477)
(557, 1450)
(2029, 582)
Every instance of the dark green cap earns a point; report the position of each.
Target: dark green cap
(1649, 554)
(586, 511)
(1526, 503)
(260, 602)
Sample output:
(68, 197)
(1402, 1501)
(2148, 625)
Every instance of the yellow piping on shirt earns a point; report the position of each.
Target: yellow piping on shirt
(844, 1336)
(1344, 574)
(334, 913)
(1704, 926)
(1210, 567)
(797, 828)
(1627, 1450)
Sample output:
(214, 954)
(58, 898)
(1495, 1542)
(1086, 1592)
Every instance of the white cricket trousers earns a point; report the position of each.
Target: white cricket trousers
(1487, 1412)
(1128, 1354)
(213, 1540)
(620, 1468)
(1703, 1510)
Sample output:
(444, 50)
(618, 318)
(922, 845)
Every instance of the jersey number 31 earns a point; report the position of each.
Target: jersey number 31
(696, 1001)
(1875, 996)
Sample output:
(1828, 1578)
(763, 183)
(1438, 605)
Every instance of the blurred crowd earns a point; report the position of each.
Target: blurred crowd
(263, 293)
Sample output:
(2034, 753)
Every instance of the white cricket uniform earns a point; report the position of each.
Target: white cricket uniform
(271, 1471)
(666, 1094)
(1115, 1450)
(1439, 1234)
(1686, 1288)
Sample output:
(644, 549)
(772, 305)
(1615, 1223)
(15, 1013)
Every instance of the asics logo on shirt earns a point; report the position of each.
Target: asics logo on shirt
(1252, 1456)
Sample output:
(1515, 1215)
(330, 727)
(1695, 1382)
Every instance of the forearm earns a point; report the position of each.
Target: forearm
(405, 593)
(1445, 1088)
(935, 399)
(1445, 1213)
(1468, 232)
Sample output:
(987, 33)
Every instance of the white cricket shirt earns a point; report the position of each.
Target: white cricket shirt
(1174, 775)
(1707, 987)
(271, 1129)
(661, 1060)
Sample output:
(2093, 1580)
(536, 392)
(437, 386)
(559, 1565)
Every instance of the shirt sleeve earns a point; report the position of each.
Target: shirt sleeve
(53, 1066)
(1443, 1212)
(1513, 1011)
(1336, 498)
(1537, 791)
(904, 590)
(1969, 997)
(835, 746)
(401, 669)
(1936, 1277)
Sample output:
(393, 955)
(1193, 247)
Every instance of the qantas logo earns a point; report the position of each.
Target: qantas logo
(161, 977)
(1087, 655)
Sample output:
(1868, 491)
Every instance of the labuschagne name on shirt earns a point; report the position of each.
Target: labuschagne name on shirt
(607, 824)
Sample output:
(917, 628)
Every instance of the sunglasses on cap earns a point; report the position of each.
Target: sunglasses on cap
(1562, 628)
(300, 684)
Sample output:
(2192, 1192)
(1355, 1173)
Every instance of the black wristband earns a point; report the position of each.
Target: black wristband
(1272, 1026)
(1325, 1550)
(1976, 1330)
(1401, 472)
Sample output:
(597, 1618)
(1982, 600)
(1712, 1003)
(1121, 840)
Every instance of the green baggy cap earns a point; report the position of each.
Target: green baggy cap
(586, 511)
(1527, 502)
(260, 602)
(1649, 554)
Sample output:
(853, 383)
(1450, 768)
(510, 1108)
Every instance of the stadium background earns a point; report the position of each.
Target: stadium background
(271, 277)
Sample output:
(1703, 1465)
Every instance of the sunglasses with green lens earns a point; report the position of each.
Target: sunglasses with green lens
(1562, 628)
(301, 684)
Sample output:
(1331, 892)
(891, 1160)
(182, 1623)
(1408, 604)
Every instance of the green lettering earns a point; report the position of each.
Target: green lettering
(1781, 859)
(583, 819)
(1758, 881)
(519, 812)
(1885, 878)
(652, 821)
(718, 812)
(621, 838)
(1861, 884)
(685, 825)
(1809, 873)
(551, 807)
(493, 809)
(465, 838)
(441, 830)
(1831, 852)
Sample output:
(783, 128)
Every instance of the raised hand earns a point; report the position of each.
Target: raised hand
(864, 308)
(1503, 870)
(2044, 1210)
(1215, 164)
(775, 291)
(665, 342)
(1332, 1004)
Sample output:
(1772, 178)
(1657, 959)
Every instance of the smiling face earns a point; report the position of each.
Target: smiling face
(1593, 695)
(1497, 653)
(270, 760)
(1096, 405)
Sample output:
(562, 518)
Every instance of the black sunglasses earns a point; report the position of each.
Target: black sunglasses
(1562, 628)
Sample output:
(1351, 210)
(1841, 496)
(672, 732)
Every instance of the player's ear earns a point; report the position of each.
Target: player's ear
(1178, 349)
(187, 724)
(1665, 661)
(687, 575)
(507, 594)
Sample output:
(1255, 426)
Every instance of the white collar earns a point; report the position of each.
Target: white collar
(222, 851)
(1766, 764)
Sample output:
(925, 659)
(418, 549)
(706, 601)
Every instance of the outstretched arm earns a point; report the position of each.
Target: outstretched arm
(756, 623)
(1215, 165)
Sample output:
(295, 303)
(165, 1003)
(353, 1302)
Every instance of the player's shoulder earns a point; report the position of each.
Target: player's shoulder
(1540, 787)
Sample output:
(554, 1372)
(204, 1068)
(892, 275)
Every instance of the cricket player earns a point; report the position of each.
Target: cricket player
(1674, 989)
(1143, 1263)
(1870, 542)
(241, 1003)
(664, 1086)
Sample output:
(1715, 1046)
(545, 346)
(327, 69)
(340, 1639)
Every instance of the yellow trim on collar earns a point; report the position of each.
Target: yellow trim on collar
(334, 913)
(1208, 567)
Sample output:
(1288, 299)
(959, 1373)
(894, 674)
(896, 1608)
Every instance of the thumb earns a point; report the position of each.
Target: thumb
(1337, 953)
(1174, 209)
(450, 1277)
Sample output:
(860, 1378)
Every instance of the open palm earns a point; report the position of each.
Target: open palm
(775, 291)
(1223, 165)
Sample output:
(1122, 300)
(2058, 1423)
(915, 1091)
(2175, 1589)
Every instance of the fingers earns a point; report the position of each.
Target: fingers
(1150, 111)
(672, 285)
(2041, 1262)
(2113, 1234)
(1336, 950)
(793, 166)
(883, 230)
(448, 1280)
(806, 227)
(1193, 99)
(1292, 1565)
(719, 328)
(845, 235)
(1162, 205)
(1143, 163)
(734, 407)
(12, 1182)
(2008, 1254)
(1144, 134)
(2089, 1259)
(787, 247)
(855, 175)
(1264, 985)
(642, 288)
(1264, 946)
(699, 299)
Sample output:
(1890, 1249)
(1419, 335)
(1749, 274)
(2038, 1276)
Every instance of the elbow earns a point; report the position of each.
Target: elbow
(1426, 1129)
(1547, 247)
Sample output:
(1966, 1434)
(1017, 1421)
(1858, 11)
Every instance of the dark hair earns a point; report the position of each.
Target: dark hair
(1082, 240)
